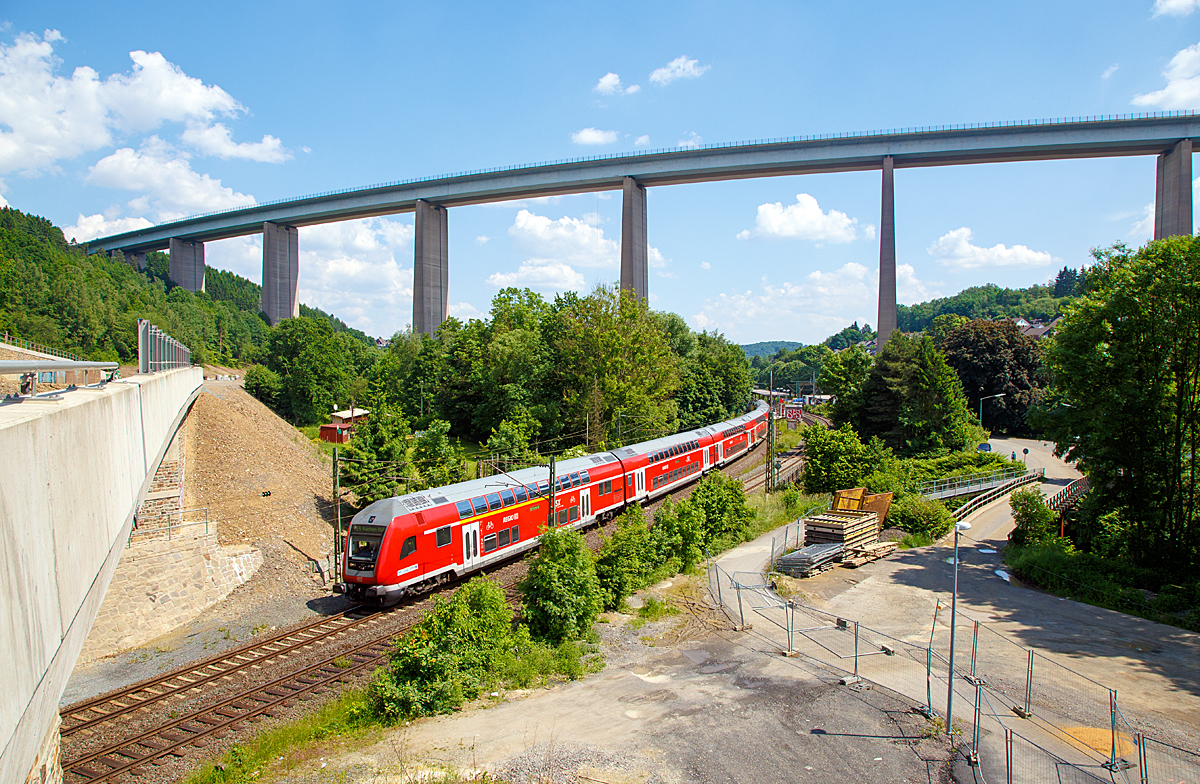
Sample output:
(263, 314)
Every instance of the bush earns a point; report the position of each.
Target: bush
(626, 559)
(448, 657)
(918, 515)
(834, 459)
(1035, 522)
(264, 384)
(562, 592)
(678, 535)
(722, 502)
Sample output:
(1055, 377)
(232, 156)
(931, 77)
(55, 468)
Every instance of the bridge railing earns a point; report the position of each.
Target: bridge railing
(970, 483)
(13, 340)
(159, 351)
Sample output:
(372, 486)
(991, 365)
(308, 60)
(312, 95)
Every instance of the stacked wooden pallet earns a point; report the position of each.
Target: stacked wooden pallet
(858, 556)
(849, 528)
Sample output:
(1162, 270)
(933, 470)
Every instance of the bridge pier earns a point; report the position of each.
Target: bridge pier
(1173, 192)
(886, 322)
(431, 270)
(281, 272)
(635, 246)
(187, 264)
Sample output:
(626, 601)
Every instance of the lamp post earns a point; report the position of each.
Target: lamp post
(953, 620)
(989, 397)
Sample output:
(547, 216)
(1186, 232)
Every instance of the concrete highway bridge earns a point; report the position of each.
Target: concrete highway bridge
(1170, 137)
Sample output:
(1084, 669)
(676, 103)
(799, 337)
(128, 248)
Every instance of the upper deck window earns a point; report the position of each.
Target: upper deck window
(507, 497)
(575, 481)
(494, 501)
(464, 510)
(520, 494)
(480, 504)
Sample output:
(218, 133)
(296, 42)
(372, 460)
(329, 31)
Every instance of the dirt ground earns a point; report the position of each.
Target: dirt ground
(681, 699)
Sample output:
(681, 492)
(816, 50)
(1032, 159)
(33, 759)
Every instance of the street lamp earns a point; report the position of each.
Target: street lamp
(953, 620)
(989, 397)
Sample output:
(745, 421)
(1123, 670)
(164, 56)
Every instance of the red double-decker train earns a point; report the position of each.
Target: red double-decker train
(411, 543)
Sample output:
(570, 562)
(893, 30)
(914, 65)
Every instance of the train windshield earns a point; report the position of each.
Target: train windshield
(364, 542)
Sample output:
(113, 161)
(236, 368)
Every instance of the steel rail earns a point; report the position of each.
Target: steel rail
(230, 657)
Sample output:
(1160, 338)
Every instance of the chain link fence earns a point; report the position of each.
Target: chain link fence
(1000, 686)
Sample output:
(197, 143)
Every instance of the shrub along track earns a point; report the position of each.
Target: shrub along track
(154, 730)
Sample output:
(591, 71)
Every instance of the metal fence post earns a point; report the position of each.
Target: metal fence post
(856, 649)
(974, 647)
(741, 612)
(790, 609)
(1112, 709)
(720, 599)
(975, 742)
(1140, 739)
(1029, 686)
(1008, 753)
(929, 679)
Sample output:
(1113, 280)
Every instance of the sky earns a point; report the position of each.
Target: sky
(112, 118)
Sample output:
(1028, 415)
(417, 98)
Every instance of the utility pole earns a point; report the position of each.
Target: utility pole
(337, 500)
(772, 476)
(550, 511)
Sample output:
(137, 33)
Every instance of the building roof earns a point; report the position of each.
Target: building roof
(350, 413)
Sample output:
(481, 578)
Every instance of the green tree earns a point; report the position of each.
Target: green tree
(994, 358)
(263, 384)
(562, 593)
(834, 459)
(626, 559)
(844, 375)
(1035, 522)
(313, 368)
(377, 464)
(436, 458)
(943, 325)
(1125, 364)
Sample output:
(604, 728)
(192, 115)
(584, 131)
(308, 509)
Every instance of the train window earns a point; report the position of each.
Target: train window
(505, 537)
(575, 479)
(543, 487)
(533, 490)
(507, 497)
(562, 517)
(409, 547)
(564, 483)
(464, 510)
(494, 501)
(572, 514)
(480, 504)
(516, 534)
(520, 495)
(443, 536)
(489, 543)
(584, 476)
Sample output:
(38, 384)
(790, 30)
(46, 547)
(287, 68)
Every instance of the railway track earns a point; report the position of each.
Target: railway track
(179, 728)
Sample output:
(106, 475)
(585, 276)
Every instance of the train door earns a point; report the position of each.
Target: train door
(641, 480)
(585, 502)
(704, 455)
(470, 533)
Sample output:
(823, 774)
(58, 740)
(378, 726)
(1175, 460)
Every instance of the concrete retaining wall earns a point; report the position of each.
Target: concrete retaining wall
(161, 585)
(74, 469)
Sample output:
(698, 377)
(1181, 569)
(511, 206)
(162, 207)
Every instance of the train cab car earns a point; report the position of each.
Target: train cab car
(411, 543)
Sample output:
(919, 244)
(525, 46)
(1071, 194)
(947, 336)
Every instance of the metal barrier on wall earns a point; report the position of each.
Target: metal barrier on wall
(991, 495)
(12, 340)
(971, 483)
(159, 351)
(150, 527)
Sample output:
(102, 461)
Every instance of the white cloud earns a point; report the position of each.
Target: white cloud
(482, 239)
(1175, 7)
(1110, 70)
(571, 241)
(642, 140)
(1143, 229)
(954, 249)
(89, 227)
(360, 270)
(594, 136)
(680, 68)
(705, 265)
(52, 117)
(465, 311)
(805, 220)
(540, 274)
(1183, 83)
(553, 249)
(690, 142)
(610, 84)
(218, 140)
(167, 175)
(654, 258)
